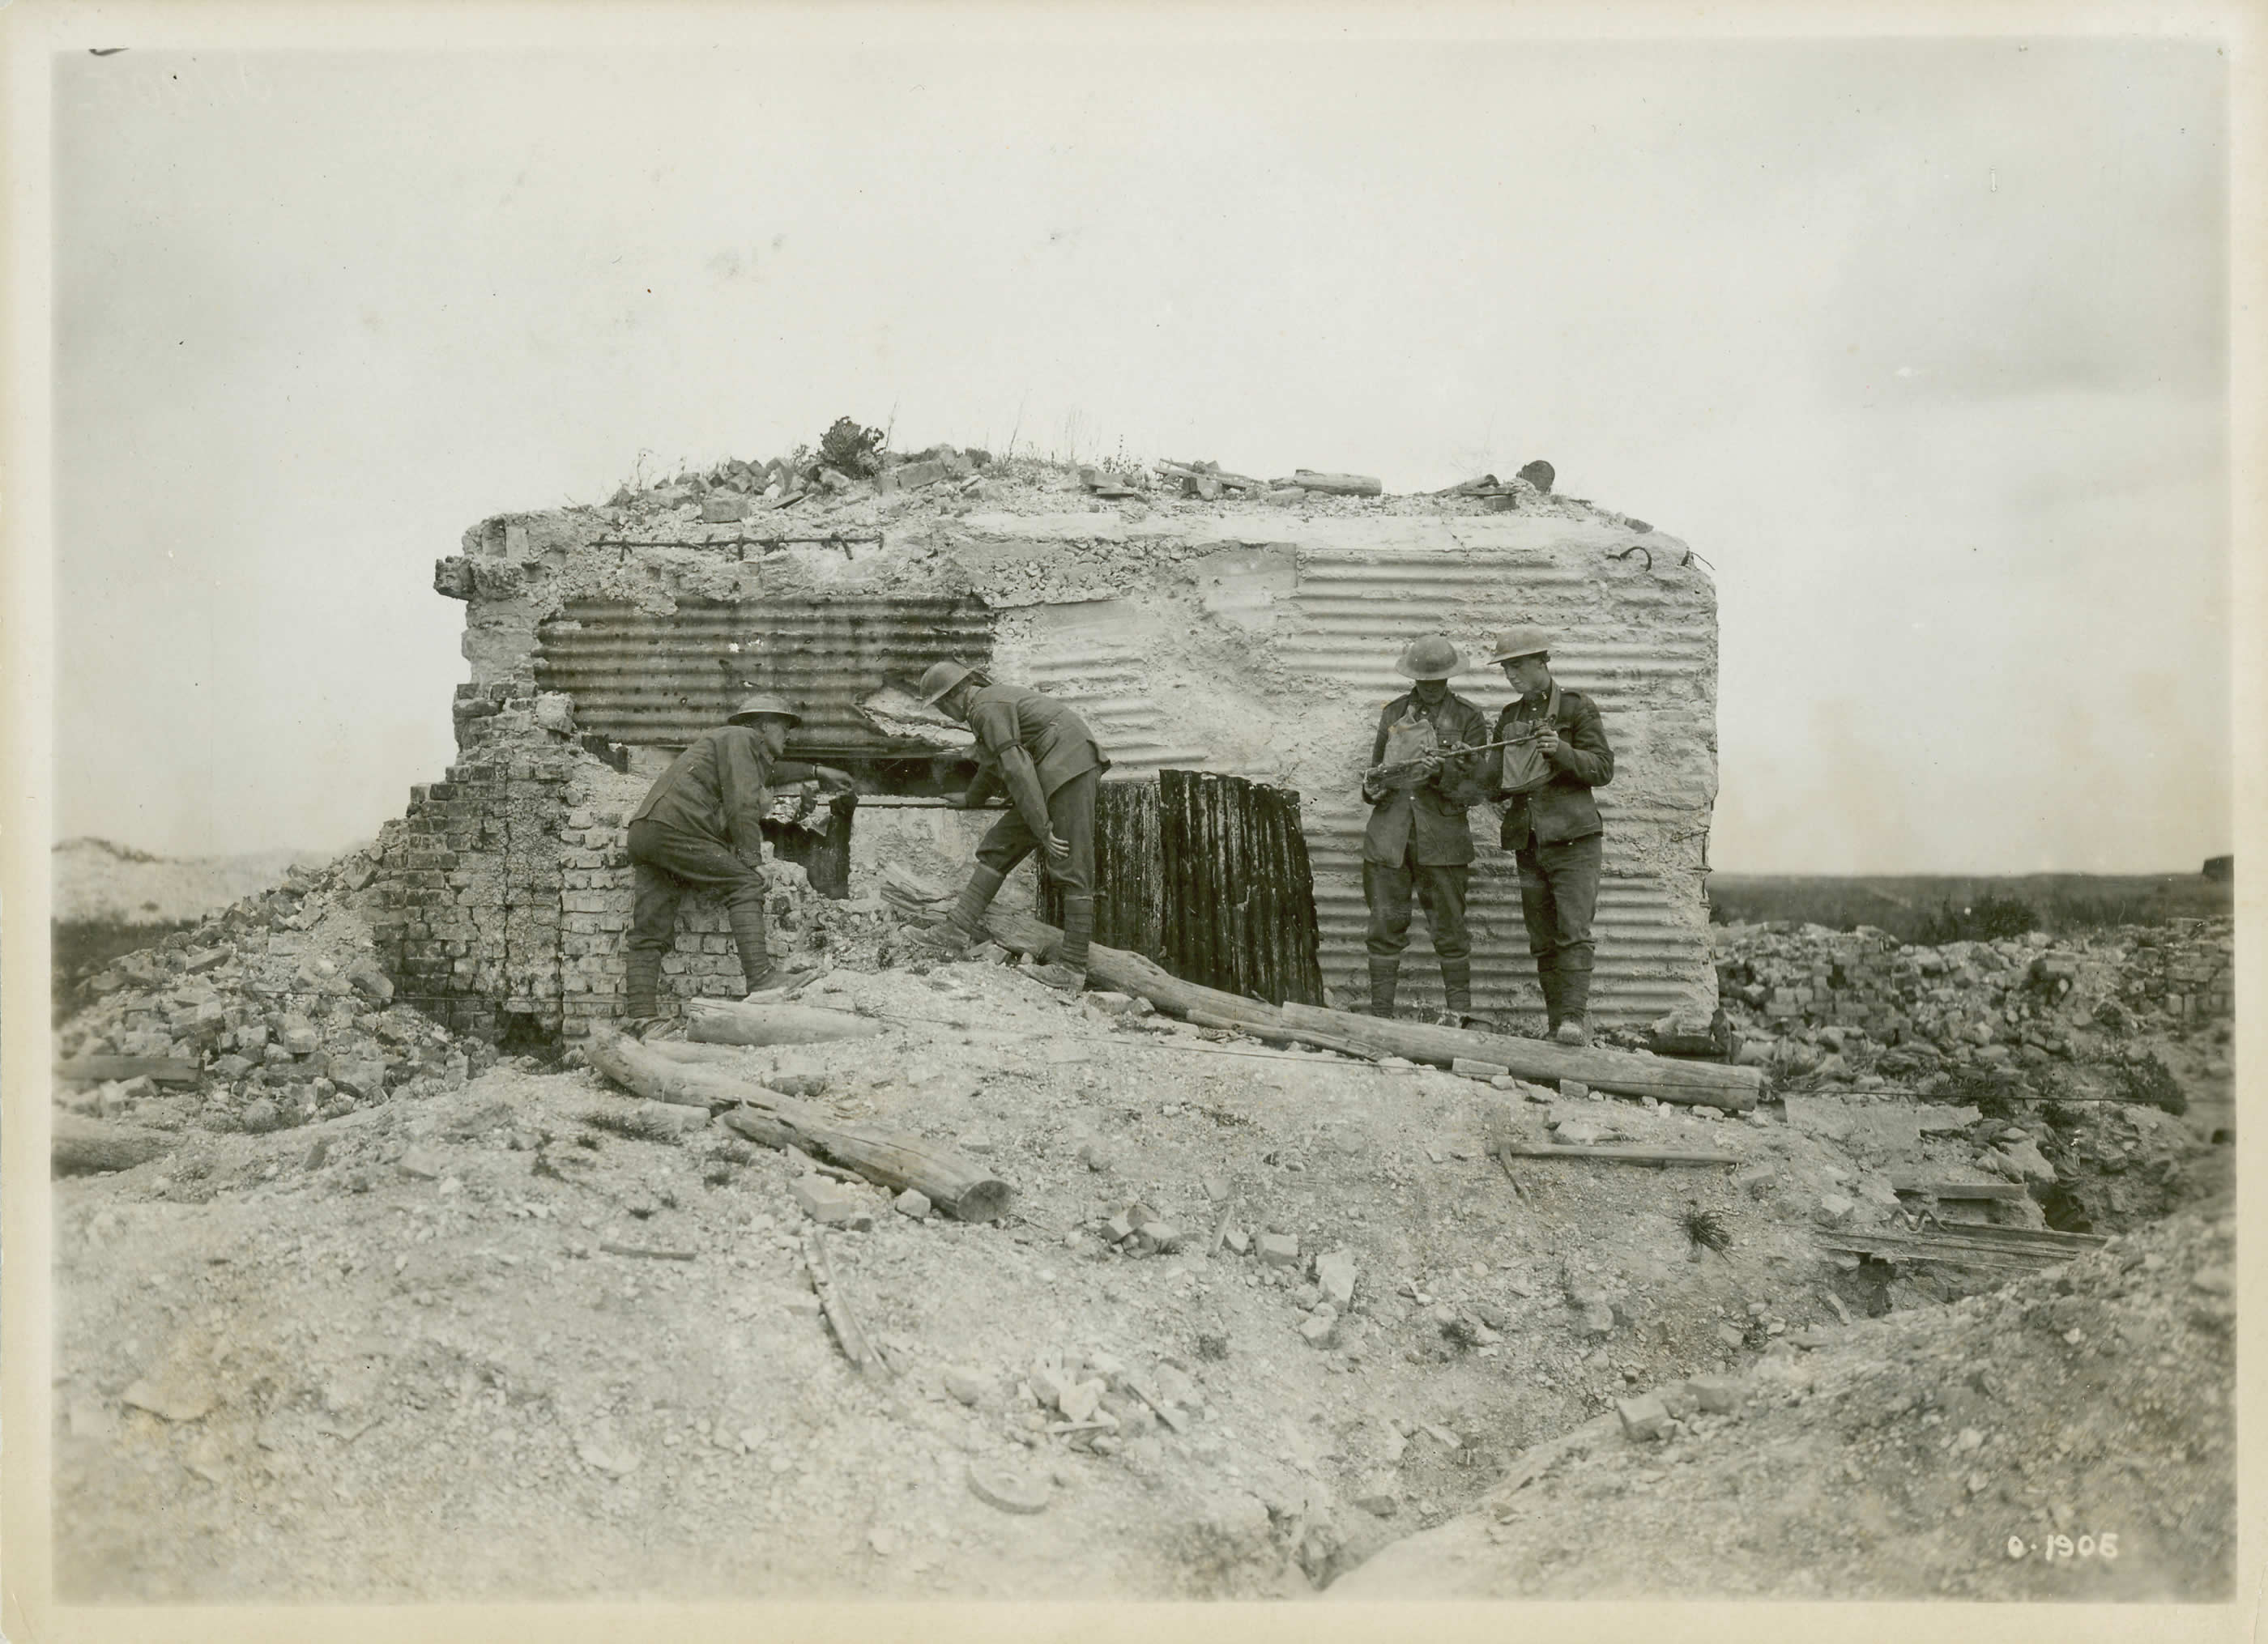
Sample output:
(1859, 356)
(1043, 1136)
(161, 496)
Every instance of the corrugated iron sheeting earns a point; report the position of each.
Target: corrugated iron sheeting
(662, 679)
(1348, 618)
(1100, 675)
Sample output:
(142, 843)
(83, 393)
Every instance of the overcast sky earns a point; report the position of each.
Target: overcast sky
(1922, 345)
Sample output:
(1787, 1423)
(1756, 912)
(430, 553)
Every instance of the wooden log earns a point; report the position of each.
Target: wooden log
(893, 1159)
(1129, 973)
(1626, 1156)
(715, 1022)
(100, 1069)
(79, 1146)
(1337, 484)
(1276, 1033)
(1697, 1083)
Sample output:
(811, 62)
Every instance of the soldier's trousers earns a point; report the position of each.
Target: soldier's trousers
(665, 864)
(1559, 894)
(1441, 892)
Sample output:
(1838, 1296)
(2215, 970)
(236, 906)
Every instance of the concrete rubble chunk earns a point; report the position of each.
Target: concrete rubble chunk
(423, 1163)
(1079, 1401)
(1049, 1385)
(1320, 1326)
(1380, 1495)
(1718, 1394)
(965, 1385)
(827, 1201)
(1833, 1210)
(612, 1460)
(1335, 1271)
(1280, 1249)
(912, 1202)
(1237, 1240)
(1644, 1417)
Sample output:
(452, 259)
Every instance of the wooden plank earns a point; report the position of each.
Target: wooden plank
(1959, 1190)
(848, 1331)
(955, 1183)
(1627, 1156)
(1692, 1082)
(100, 1069)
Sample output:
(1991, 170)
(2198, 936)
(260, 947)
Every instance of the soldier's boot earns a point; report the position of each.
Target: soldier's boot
(641, 985)
(1457, 992)
(960, 930)
(1067, 973)
(1547, 977)
(1574, 1006)
(1385, 979)
(758, 969)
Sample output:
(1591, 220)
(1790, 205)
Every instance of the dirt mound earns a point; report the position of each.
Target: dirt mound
(95, 879)
(2065, 1437)
(503, 1333)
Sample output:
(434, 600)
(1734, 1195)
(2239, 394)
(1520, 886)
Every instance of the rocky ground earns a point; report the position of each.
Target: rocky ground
(280, 1344)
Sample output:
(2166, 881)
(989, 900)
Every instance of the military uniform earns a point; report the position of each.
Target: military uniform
(1555, 836)
(1067, 766)
(1070, 764)
(702, 827)
(1418, 839)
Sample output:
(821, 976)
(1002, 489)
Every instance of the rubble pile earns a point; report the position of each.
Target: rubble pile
(278, 1007)
(1844, 1006)
(2057, 1438)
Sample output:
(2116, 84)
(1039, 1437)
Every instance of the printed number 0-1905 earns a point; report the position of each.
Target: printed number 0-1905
(2054, 1547)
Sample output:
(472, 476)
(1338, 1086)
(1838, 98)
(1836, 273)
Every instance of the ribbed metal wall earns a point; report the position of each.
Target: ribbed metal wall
(1352, 611)
(662, 679)
(1100, 674)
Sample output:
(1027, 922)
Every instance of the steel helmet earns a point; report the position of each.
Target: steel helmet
(1430, 656)
(1526, 640)
(940, 677)
(757, 707)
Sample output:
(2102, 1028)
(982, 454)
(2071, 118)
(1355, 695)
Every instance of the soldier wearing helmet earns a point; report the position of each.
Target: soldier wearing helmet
(701, 828)
(1048, 763)
(1419, 789)
(1556, 752)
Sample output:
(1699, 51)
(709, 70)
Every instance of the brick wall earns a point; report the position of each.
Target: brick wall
(507, 893)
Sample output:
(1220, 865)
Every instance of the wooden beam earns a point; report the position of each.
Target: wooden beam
(100, 1069)
(1337, 484)
(79, 1146)
(1278, 1033)
(894, 1159)
(717, 1022)
(1959, 1190)
(1626, 1156)
(848, 1331)
(1695, 1083)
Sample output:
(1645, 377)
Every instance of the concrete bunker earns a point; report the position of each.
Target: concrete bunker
(1249, 637)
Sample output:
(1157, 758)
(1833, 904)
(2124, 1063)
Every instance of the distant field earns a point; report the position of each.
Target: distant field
(1949, 907)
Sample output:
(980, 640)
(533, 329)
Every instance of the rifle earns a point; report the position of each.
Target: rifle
(1393, 773)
